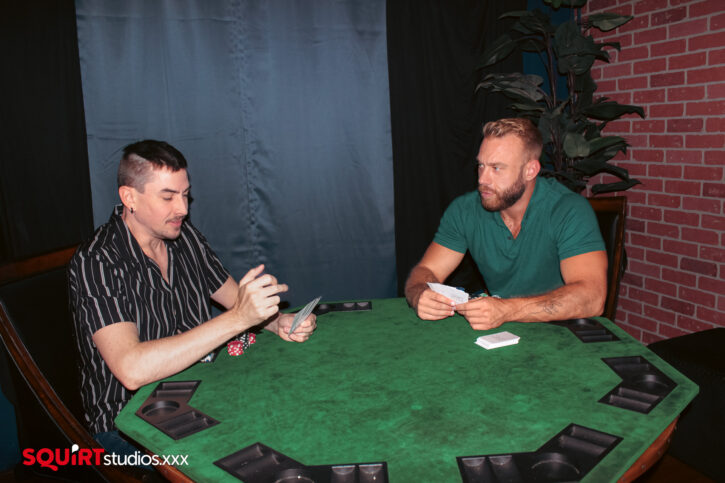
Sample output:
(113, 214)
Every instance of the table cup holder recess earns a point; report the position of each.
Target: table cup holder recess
(568, 456)
(554, 467)
(326, 307)
(643, 386)
(167, 409)
(258, 463)
(587, 330)
(294, 475)
(351, 473)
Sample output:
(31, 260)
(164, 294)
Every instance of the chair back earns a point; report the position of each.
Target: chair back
(611, 213)
(37, 331)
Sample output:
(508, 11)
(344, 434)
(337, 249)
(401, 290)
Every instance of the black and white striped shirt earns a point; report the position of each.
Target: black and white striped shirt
(112, 280)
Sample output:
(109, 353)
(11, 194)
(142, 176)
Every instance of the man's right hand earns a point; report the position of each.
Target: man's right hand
(257, 298)
(433, 306)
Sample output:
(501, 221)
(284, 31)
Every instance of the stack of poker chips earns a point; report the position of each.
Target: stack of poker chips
(239, 344)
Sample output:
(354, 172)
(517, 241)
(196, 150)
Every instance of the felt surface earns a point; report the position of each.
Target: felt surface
(384, 385)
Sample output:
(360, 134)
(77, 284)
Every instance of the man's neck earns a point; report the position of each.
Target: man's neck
(152, 246)
(514, 214)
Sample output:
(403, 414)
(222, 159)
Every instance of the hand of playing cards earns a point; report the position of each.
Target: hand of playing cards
(303, 314)
(456, 295)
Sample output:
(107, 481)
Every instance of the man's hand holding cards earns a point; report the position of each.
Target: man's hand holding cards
(438, 301)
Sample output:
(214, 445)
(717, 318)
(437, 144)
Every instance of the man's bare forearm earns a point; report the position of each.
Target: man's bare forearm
(417, 283)
(145, 362)
(574, 300)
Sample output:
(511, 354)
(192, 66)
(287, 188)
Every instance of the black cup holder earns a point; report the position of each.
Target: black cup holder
(168, 410)
(587, 330)
(294, 475)
(327, 307)
(568, 456)
(554, 467)
(160, 408)
(652, 383)
(258, 463)
(643, 386)
(322, 309)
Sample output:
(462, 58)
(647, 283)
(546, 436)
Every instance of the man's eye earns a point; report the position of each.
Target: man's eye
(167, 199)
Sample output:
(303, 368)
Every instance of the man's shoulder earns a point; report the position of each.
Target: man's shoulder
(466, 202)
(557, 198)
(103, 247)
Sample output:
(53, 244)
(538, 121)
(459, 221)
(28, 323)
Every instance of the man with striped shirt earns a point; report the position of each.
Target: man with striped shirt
(141, 291)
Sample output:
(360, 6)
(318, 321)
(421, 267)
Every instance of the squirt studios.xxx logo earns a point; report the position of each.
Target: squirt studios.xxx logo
(77, 456)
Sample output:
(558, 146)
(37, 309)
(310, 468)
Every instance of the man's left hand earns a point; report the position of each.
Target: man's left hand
(484, 313)
(301, 333)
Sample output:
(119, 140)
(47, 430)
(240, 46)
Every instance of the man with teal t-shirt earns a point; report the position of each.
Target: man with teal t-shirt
(536, 243)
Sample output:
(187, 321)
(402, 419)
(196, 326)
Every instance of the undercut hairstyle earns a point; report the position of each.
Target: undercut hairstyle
(141, 158)
(520, 127)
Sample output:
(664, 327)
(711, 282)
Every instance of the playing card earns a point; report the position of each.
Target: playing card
(302, 314)
(499, 339)
(458, 296)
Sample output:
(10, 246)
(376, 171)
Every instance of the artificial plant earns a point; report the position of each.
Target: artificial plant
(574, 147)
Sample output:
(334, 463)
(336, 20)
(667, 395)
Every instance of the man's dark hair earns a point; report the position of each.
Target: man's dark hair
(140, 158)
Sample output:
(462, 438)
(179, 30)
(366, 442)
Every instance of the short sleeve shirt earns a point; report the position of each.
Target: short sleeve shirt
(558, 224)
(111, 280)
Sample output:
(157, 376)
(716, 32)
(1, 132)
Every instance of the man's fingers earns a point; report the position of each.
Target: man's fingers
(251, 275)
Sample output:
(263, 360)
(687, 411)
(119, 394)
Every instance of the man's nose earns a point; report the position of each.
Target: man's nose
(484, 176)
(182, 205)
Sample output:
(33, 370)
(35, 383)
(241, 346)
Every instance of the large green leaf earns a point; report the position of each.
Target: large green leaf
(566, 3)
(617, 186)
(610, 110)
(575, 52)
(575, 145)
(498, 50)
(515, 85)
(607, 142)
(534, 22)
(608, 21)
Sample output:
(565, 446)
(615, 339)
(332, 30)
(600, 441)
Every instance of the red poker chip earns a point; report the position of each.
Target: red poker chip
(252, 338)
(235, 348)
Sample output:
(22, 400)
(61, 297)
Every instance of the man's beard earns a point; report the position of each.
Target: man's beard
(510, 195)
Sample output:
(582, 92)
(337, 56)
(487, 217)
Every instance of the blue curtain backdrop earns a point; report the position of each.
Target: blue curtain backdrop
(282, 110)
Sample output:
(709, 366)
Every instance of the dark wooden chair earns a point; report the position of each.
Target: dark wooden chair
(611, 213)
(37, 332)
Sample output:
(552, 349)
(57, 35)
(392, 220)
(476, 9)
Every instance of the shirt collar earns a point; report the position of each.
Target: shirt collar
(129, 247)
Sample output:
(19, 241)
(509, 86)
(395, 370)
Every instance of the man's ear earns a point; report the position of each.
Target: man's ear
(532, 169)
(128, 197)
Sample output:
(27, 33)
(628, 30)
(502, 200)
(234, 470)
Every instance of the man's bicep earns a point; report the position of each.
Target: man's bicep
(226, 295)
(440, 260)
(590, 266)
(114, 341)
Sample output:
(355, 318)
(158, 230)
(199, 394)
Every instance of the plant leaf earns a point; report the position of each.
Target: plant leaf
(566, 3)
(575, 145)
(534, 22)
(608, 21)
(617, 186)
(610, 110)
(600, 143)
(575, 52)
(498, 50)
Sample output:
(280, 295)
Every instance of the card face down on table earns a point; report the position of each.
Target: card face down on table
(499, 339)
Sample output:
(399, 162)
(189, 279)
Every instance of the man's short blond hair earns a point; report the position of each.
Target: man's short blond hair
(520, 127)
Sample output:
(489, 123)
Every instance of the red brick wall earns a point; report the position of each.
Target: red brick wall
(672, 63)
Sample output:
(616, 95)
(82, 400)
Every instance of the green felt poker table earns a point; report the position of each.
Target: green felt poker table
(380, 395)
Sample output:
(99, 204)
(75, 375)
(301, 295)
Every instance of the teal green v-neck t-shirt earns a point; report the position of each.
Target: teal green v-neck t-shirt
(558, 224)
